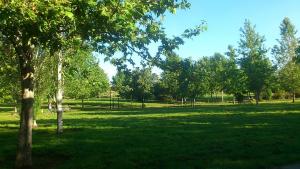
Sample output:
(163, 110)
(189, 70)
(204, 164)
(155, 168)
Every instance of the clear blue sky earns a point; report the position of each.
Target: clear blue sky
(224, 19)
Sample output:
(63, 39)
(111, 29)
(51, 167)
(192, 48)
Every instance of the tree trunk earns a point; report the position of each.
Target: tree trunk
(34, 124)
(257, 97)
(216, 97)
(182, 101)
(34, 114)
(194, 102)
(23, 157)
(294, 96)
(233, 99)
(222, 95)
(59, 94)
(82, 104)
(49, 105)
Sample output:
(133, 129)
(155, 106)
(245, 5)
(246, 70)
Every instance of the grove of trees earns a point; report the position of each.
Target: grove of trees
(244, 72)
(36, 34)
(46, 53)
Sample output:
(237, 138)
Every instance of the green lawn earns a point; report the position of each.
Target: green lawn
(207, 137)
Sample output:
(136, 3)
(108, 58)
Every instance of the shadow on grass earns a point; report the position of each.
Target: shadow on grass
(118, 139)
(250, 108)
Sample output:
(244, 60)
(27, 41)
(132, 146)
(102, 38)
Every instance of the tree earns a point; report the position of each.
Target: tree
(254, 62)
(160, 92)
(218, 62)
(110, 26)
(192, 80)
(9, 73)
(170, 76)
(235, 78)
(43, 80)
(10, 85)
(184, 78)
(135, 84)
(144, 83)
(199, 80)
(214, 67)
(286, 56)
(122, 83)
(83, 76)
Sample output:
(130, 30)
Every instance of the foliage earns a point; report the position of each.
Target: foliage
(135, 84)
(170, 76)
(253, 61)
(216, 73)
(9, 73)
(83, 76)
(235, 79)
(286, 56)
(122, 83)
(184, 77)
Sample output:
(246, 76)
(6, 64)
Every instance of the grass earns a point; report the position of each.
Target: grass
(206, 137)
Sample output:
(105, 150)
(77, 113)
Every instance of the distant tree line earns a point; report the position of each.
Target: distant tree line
(243, 71)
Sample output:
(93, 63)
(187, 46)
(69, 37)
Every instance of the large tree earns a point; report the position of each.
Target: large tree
(254, 62)
(286, 55)
(128, 26)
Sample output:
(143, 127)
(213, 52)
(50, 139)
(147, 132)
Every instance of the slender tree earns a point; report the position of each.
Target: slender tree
(235, 78)
(184, 78)
(286, 56)
(170, 76)
(254, 62)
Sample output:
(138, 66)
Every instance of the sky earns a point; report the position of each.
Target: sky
(224, 19)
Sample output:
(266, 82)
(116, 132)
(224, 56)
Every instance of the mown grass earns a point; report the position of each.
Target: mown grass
(205, 137)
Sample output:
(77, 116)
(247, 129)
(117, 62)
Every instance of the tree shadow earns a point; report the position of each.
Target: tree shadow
(149, 138)
(214, 109)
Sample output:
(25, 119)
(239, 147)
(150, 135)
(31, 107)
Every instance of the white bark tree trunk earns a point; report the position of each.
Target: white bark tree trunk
(34, 124)
(59, 94)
